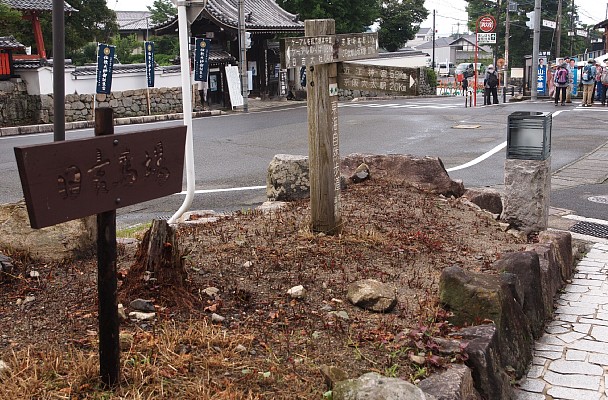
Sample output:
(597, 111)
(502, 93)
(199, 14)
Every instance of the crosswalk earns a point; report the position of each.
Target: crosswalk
(416, 105)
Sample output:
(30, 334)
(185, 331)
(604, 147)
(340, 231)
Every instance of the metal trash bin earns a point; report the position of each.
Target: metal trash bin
(529, 135)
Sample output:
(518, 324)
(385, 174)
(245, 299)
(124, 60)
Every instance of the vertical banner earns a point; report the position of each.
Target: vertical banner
(573, 62)
(541, 83)
(149, 53)
(283, 82)
(105, 64)
(201, 59)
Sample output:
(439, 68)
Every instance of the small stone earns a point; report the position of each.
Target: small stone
(217, 318)
(28, 299)
(340, 314)
(145, 306)
(240, 348)
(211, 291)
(297, 292)
(121, 313)
(247, 264)
(332, 374)
(4, 367)
(34, 274)
(141, 316)
(126, 341)
(420, 360)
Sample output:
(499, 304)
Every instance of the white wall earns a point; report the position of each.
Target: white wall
(40, 81)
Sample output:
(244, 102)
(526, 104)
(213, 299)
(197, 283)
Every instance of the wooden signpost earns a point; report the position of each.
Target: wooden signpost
(326, 57)
(73, 179)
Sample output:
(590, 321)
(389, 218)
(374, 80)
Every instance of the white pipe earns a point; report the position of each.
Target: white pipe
(184, 55)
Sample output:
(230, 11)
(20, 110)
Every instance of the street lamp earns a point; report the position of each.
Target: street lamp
(529, 135)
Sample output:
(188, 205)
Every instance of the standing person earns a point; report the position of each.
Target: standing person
(202, 90)
(490, 83)
(570, 70)
(465, 85)
(604, 81)
(588, 80)
(598, 82)
(561, 81)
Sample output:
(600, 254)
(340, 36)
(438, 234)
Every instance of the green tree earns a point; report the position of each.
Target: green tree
(161, 10)
(8, 19)
(351, 16)
(399, 22)
(124, 48)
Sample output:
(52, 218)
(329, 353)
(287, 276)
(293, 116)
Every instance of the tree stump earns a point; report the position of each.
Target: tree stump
(160, 256)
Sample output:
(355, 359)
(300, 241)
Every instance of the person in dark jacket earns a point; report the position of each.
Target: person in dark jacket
(490, 84)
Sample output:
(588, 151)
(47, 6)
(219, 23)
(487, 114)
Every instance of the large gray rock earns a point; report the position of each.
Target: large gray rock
(474, 297)
(482, 349)
(425, 173)
(66, 241)
(486, 198)
(551, 276)
(288, 178)
(562, 244)
(526, 199)
(372, 295)
(373, 386)
(454, 384)
(525, 266)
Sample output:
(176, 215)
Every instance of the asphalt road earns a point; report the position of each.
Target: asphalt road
(233, 151)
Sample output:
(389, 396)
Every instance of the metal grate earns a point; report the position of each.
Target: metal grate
(590, 229)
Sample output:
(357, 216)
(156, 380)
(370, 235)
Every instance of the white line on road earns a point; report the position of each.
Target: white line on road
(237, 189)
(480, 158)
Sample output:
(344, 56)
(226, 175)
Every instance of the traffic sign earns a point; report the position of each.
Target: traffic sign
(487, 24)
(486, 38)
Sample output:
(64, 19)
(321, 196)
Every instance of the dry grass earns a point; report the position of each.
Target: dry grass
(269, 346)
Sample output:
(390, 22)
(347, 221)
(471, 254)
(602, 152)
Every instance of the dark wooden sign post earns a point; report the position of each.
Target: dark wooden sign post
(326, 57)
(73, 179)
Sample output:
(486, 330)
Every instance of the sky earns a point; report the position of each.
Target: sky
(451, 16)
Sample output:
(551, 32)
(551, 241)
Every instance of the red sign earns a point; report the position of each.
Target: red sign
(487, 24)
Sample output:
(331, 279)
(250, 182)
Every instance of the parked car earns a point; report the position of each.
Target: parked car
(468, 68)
(445, 69)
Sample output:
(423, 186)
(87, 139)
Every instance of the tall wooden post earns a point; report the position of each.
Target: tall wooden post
(107, 286)
(323, 138)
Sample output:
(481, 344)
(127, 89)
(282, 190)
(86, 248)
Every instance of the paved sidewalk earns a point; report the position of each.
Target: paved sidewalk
(571, 358)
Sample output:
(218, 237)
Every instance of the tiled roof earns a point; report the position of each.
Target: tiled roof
(37, 5)
(133, 20)
(9, 42)
(260, 15)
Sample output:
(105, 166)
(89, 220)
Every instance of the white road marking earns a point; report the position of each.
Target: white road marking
(236, 189)
(480, 158)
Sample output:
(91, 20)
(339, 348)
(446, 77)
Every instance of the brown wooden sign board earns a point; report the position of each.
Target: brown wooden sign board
(315, 50)
(76, 178)
(388, 79)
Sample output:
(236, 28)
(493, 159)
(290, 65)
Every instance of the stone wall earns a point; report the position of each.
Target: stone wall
(18, 108)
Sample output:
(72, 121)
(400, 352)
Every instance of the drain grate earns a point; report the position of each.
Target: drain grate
(590, 229)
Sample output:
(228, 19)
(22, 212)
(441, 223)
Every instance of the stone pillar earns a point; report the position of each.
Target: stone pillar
(527, 189)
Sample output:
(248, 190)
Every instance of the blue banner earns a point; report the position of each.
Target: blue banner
(201, 59)
(105, 64)
(574, 76)
(149, 53)
(541, 83)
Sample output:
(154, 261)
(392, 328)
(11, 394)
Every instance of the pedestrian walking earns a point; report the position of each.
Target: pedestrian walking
(490, 83)
(465, 85)
(588, 80)
(561, 81)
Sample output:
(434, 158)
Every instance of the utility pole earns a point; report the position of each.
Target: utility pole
(433, 62)
(507, 30)
(572, 30)
(535, 50)
(558, 31)
(243, 54)
(58, 70)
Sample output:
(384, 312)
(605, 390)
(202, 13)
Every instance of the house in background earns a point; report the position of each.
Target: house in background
(264, 20)
(462, 49)
(8, 44)
(136, 23)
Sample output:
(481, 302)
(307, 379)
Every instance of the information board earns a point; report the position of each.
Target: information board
(397, 80)
(234, 85)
